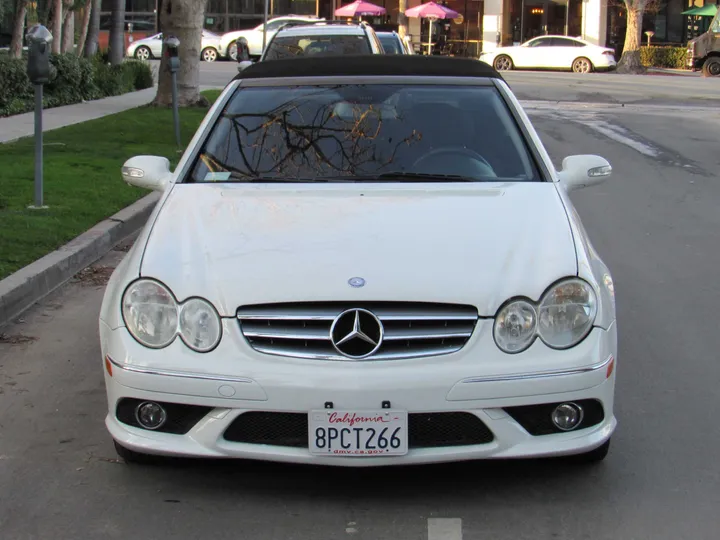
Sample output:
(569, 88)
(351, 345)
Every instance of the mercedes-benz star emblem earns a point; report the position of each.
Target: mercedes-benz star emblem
(356, 282)
(356, 333)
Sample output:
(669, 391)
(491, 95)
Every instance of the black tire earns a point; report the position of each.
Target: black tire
(582, 65)
(232, 51)
(593, 456)
(503, 63)
(132, 457)
(143, 53)
(711, 67)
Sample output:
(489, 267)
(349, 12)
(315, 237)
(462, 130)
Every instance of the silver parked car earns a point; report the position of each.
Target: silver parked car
(151, 47)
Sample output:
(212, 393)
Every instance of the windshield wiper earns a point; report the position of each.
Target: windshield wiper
(413, 177)
(273, 179)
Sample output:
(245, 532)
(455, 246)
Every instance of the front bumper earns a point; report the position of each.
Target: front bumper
(470, 381)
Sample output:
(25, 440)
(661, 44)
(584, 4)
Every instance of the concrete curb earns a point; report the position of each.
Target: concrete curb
(28, 285)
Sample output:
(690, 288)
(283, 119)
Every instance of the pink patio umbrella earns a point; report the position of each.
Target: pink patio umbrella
(432, 12)
(359, 8)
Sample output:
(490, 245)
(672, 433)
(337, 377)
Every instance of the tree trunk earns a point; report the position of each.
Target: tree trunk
(68, 31)
(93, 36)
(82, 41)
(630, 59)
(117, 32)
(402, 19)
(16, 43)
(184, 20)
(57, 21)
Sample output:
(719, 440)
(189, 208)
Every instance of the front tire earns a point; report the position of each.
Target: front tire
(711, 67)
(503, 63)
(143, 53)
(582, 65)
(209, 54)
(131, 457)
(232, 51)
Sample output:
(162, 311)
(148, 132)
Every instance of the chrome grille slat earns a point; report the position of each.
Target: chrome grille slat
(269, 332)
(411, 330)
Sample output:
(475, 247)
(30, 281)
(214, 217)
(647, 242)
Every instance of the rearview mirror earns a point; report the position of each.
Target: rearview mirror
(150, 172)
(582, 171)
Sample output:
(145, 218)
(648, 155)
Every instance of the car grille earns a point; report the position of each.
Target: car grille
(411, 330)
(425, 430)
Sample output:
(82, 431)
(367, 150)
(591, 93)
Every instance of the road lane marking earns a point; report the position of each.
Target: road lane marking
(444, 529)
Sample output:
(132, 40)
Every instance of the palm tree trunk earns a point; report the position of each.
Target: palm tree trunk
(85, 26)
(184, 20)
(93, 36)
(630, 59)
(57, 21)
(117, 33)
(18, 27)
(68, 31)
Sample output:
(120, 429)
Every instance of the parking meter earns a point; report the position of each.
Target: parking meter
(38, 69)
(171, 51)
(39, 39)
(172, 45)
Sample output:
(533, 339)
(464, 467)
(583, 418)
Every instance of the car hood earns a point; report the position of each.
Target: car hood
(479, 244)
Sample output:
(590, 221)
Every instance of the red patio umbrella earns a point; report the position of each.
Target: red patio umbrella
(432, 12)
(359, 8)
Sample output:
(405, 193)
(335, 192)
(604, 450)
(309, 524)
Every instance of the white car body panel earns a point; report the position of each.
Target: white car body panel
(254, 36)
(155, 43)
(277, 234)
(239, 244)
(552, 57)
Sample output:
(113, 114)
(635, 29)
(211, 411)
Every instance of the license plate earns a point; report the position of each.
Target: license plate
(358, 433)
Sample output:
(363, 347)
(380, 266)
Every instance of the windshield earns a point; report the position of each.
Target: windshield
(327, 45)
(365, 133)
(715, 25)
(390, 44)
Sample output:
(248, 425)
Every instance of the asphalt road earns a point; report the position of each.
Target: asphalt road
(610, 88)
(655, 222)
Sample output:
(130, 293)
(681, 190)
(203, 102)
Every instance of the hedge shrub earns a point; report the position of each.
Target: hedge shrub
(74, 80)
(663, 57)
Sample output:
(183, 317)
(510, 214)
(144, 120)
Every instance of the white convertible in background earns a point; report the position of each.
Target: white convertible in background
(354, 267)
(552, 52)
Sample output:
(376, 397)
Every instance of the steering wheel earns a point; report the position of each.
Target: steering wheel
(483, 168)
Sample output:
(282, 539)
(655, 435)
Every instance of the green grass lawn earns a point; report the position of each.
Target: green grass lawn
(82, 182)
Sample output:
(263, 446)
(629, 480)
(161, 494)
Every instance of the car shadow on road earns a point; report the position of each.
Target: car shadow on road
(487, 479)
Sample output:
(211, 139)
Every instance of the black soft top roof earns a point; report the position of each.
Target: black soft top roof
(369, 65)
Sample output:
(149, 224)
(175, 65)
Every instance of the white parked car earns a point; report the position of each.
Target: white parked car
(322, 39)
(552, 52)
(359, 261)
(151, 47)
(254, 36)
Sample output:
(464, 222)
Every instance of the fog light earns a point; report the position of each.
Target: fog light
(567, 416)
(150, 415)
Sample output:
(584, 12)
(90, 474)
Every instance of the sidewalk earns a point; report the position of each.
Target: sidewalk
(23, 125)
(670, 71)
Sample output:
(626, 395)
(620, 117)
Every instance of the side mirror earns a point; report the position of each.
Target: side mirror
(150, 172)
(244, 65)
(582, 171)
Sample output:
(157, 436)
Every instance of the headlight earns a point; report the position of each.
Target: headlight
(154, 318)
(562, 319)
(515, 326)
(200, 327)
(150, 313)
(566, 313)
